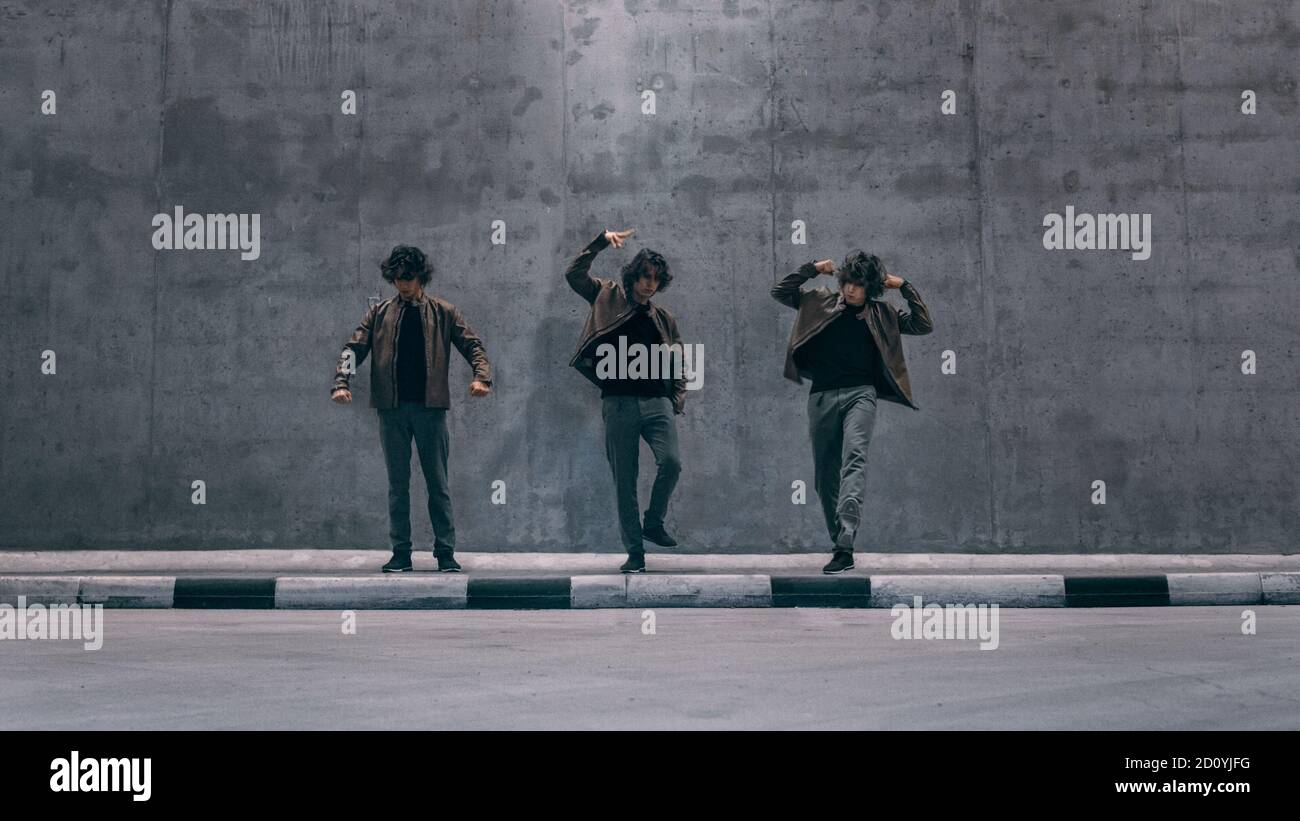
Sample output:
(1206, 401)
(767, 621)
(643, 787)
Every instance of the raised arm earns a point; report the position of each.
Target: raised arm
(359, 344)
(917, 320)
(788, 292)
(579, 279)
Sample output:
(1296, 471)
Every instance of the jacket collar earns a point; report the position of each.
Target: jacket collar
(419, 299)
(632, 304)
(841, 304)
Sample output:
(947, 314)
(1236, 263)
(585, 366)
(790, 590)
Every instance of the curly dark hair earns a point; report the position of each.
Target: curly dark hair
(866, 270)
(406, 262)
(645, 258)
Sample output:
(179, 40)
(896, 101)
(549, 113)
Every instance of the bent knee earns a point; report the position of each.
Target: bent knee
(670, 465)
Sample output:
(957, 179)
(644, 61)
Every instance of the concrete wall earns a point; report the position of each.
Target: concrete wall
(1072, 366)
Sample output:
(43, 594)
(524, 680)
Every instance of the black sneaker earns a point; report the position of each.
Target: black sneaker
(400, 563)
(841, 561)
(659, 536)
(447, 564)
(634, 564)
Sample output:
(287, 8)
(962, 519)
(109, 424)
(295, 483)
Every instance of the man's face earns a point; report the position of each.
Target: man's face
(408, 288)
(854, 294)
(647, 284)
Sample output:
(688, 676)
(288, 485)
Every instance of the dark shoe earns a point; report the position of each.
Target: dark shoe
(447, 564)
(634, 564)
(400, 563)
(659, 536)
(841, 561)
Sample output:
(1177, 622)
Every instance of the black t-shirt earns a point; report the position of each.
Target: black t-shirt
(843, 354)
(640, 329)
(410, 354)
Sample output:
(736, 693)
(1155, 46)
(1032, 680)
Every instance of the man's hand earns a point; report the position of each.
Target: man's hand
(825, 266)
(477, 388)
(617, 238)
(341, 395)
(892, 281)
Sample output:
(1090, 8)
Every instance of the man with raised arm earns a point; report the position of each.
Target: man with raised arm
(847, 342)
(634, 405)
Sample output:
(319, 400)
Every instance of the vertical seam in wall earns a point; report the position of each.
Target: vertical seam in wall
(771, 129)
(982, 256)
(361, 102)
(564, 129)
(771, 169)
(1187, 241)
(153, 329)
(361, 143)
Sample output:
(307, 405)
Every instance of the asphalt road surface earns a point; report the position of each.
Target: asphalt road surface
(1120, 668)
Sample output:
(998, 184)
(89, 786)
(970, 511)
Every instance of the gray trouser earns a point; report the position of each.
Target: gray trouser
(627, 420)
(840, 422)
(428, 426)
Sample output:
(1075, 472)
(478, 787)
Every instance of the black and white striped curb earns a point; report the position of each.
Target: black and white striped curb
(445, 591)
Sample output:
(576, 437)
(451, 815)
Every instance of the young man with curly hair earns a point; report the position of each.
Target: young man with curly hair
(632, 407)
(410, 336)
(847, 342)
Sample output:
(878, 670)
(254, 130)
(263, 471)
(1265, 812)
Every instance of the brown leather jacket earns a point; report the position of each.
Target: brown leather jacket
(610, 308)
(443, 326)
(819, 306)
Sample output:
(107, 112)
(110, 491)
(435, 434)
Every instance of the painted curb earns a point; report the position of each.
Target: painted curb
(1280, 588)
(1215, 588)
(821, 591)
(463, 591)
(1004, 591)
(588, 592)
(215, 593)
(384, 593)
(128, 591)
(1116, 591)
(713, 590)
(40, 589)
(528, 593)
